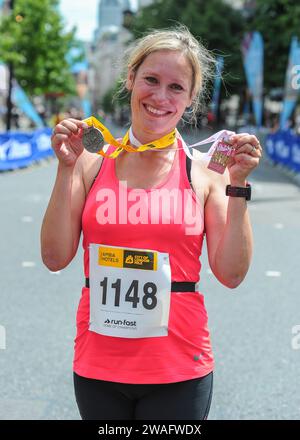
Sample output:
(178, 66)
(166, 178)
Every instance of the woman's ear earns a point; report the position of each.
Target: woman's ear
(189, 105)
(191, 100)
(130, 80)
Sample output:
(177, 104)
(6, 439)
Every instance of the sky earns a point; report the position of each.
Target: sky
(83, 14)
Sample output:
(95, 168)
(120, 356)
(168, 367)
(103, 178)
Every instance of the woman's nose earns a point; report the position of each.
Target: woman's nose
(161, 95)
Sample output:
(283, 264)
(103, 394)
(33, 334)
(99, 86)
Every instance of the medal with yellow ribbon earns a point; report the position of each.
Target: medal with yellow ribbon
(94, 136)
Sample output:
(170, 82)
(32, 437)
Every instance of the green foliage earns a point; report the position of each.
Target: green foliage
(107, 101)
(215, 23)
(278, 21)
(34, 41)
(222, 28)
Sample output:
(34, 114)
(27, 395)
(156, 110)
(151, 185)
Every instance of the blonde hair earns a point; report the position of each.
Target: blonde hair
(178, 39)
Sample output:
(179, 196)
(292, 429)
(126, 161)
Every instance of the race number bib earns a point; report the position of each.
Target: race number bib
(130, 291)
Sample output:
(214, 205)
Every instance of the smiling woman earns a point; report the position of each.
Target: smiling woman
(142, 349)
(195, 62)
(160, 93)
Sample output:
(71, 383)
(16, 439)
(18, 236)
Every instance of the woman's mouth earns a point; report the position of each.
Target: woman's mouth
(155, 112)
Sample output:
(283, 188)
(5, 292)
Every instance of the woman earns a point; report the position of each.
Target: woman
(142, 349)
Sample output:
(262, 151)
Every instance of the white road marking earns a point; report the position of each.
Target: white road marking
(278, 226)
(28, 264)
(27, 219)
(273, 273)
(2, 337)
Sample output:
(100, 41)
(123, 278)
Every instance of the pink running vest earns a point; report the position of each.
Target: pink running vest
(186, 352)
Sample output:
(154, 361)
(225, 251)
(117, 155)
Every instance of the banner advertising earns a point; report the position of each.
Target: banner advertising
(21, 100)
(291, 89)
(217, 86)
(253, 59)
(283, 148)
(18, 150)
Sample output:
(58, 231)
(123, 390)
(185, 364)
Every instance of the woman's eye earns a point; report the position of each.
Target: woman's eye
(151, 79)
(176, 87)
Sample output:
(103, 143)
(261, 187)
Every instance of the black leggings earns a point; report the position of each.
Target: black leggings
(102, 400)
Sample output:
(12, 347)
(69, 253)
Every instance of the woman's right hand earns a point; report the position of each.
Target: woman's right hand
(66, 141)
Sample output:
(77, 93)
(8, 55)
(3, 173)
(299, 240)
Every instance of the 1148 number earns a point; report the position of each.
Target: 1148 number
(149, 299)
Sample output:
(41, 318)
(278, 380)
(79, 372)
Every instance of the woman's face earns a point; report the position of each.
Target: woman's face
(160, 93)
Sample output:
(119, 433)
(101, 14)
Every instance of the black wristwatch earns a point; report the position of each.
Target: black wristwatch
(239, 191)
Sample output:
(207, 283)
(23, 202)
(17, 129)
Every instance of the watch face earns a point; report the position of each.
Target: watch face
(92, 139)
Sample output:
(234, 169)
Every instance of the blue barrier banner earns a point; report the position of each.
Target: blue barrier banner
(18, 150)
(283, 147)
(270, 146)
(295, 156)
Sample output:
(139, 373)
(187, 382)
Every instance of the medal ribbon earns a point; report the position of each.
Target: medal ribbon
(163, 142)
(222, 135)
(215, 138)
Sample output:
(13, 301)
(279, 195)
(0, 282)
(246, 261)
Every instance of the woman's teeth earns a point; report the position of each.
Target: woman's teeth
(155, 111)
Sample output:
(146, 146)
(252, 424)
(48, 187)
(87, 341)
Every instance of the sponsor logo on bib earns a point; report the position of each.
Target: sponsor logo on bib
(120, 323)
(127, 258)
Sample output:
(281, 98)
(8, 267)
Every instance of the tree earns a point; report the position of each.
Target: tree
(219, 25)
(278, 21)
(33, 40)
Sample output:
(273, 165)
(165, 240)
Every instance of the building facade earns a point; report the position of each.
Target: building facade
(110, 42)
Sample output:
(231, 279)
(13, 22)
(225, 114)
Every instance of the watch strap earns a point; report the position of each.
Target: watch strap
(239, 191)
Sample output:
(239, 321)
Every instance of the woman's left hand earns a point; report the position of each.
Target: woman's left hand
(245, 158)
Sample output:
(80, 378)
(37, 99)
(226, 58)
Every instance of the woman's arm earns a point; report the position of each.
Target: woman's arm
(227, 223)
(61, 227)
(228, 234)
